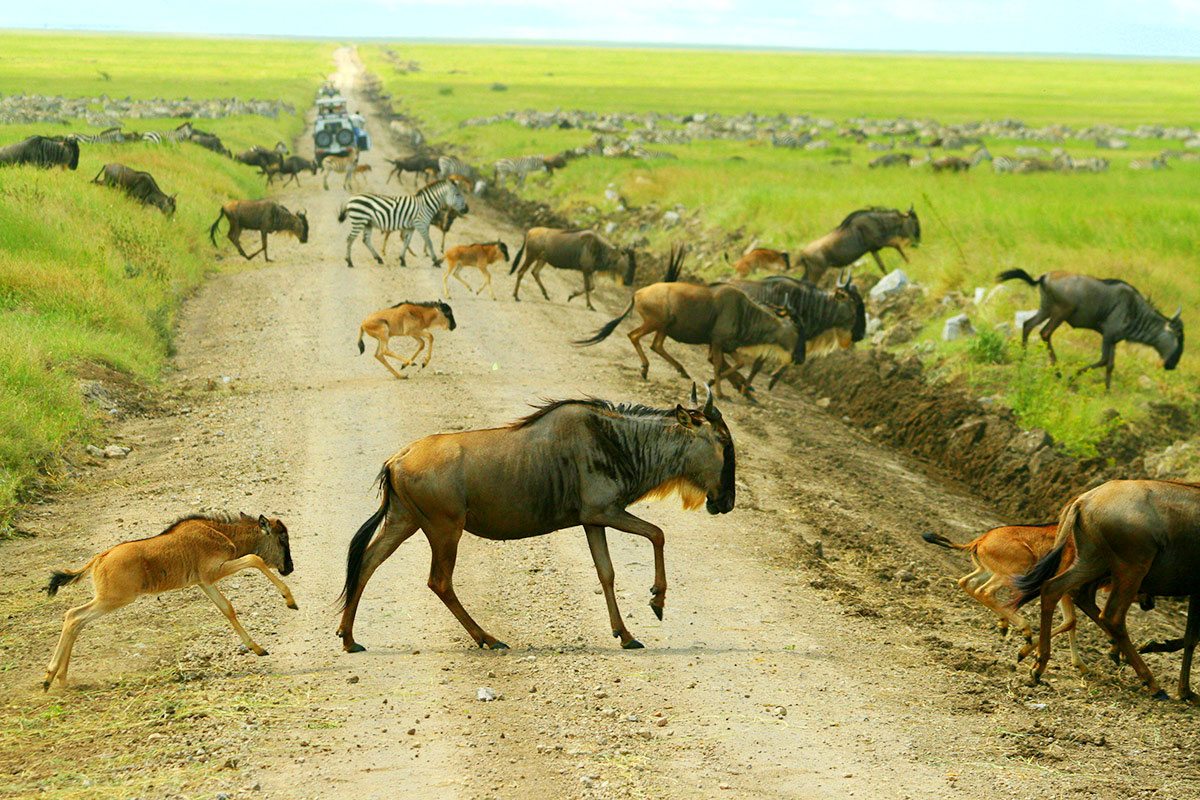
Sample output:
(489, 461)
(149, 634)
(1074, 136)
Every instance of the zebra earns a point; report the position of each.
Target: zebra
(452, 165)
(404, 212)
(1155, 163)
(184, 131)
(520, 167)
(110, 136)
(788, 139)
(1003, 165)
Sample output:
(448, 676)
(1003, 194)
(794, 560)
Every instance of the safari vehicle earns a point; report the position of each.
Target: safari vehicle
(336, 129)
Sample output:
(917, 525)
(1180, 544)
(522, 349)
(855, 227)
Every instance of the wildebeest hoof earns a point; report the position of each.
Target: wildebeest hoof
(496, 645)
(45, 685)
(292, 605)
(261, 652)
(1161, 695)
(658, 611)
(354, 647)
(633, 644)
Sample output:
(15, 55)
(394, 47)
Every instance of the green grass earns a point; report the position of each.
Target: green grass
(1138, 226)
(88, 276)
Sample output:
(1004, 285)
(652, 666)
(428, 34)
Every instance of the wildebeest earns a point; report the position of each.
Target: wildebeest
(194, 551)
(761, 258)
(479, 256)
(291, 166)
(1142, 536)
(260, 157)
(999, 556)
(42, 151)
(827, 320)
(405, 319)
(579, 249)
(891, 160)
(419, 165)
(1109, 306)
(209, 141)
(867, 230)
(571, 462)
(723, 317)
(264, 216)
(138, 185)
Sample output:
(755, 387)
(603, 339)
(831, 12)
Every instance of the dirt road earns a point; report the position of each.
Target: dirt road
(810, 648)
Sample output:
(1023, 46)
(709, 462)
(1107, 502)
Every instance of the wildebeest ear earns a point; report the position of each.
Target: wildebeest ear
(911, 209)
(683, 417)
(264, 523)
(1178, 314)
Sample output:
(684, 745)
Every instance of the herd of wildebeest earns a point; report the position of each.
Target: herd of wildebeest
(584, 462)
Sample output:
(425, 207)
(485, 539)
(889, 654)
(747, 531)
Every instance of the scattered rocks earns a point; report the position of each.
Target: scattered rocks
(957, 327)
(892, 283)
(486, 694)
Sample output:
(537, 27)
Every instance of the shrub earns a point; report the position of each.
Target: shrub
(988, 347)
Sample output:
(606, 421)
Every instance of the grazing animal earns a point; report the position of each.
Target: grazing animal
(723, 317)
(408, 213)
(260, 157)
(867, 230)
(1029, 165)
(760, 258)
(291, 166)
(405, 319)
(264, 216)
(571, 462)
(183, 131)
(138, 185)
(479, 256)
(1143, 537)
(522, 166)
(1003, 165)
(581, 250)
(209, 141)
(451, 165)
(42, 151)
(1158, 162)
(959, 164)
(1109, 306)
(827, 320)
(107, 136)
(443, 221)
(791, 140)
(891, 160)
(419, 165)
(345, 163)
(194, 551)
(999, 556)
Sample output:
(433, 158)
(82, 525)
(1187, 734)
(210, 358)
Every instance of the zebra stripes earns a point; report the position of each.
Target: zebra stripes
(451, 165)
(788, 139)
(110, 136)
(520, 167)
(405, 212)
(184, 131)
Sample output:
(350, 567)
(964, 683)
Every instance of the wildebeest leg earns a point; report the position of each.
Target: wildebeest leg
(487, 277)
(1108, 357)
(635, 336)
(1190, 637)
(598, 544)
(658, 345)
(879, 261)
(1052, 592)
(264, 246)
(586, 290)
(900, 250)
(718, 361)
(381, 350)
(417, 352)
(1085, 601)
(235, 236)
(1070, 627)
(1124, 591)
(1047, 331)
(397, 527)
(624, 521)
(429, 352)
(222, 602)
(73, 622)
(253, 561)
(536, 272)
(443, 541)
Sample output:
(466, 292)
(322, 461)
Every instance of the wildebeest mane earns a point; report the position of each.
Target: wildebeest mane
(630, 410)
(423, 303)
(853, 215)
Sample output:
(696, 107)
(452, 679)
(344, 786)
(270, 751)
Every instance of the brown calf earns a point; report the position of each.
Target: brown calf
(405, 319)
(762, 259)
(195, 551)
(479, 256)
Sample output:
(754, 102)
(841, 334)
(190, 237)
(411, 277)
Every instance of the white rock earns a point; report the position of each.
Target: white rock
(94, 452)
(1020, 317)
(873, 324)
(895, 281)
(609, 228)
(485, 694)
(980, 295)
(117, 451)
(957, 327)
(671, 218)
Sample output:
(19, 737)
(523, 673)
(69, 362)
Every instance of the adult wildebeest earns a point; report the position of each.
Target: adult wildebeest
(291, 166)
(572, 462)
(194, 551)
(761, 258)
(827, 320)
(867, 230)
(42, 151)
(260, 157)
(264, 216)
(723, 317)
(582, 250)
(1109, 306)
(138, 185)
(419, 165)
(891, 160)
(1142, 536)
(209, 141)
(405, 319)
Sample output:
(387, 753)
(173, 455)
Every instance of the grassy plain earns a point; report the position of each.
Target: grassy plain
(88, 276)
(1135, 225)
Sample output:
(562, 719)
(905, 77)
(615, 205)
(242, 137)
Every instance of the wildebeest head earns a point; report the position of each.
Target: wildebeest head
(503, 250)
(73, 149)
(300, 215)
(1173, 330)
(448, 313)
(273, 545)
(912, 227)
(847, 291)
(630, 267)
(710, 461)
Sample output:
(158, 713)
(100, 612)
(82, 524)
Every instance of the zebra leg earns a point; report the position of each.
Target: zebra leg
(437, 262)
(367, 242)
(408, 233)
(354, 231)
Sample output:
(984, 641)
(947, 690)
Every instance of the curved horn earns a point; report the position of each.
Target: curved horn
(695, 400)
(1178, 313)
(849, 274)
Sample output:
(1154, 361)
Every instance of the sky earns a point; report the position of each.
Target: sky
(1155, 28)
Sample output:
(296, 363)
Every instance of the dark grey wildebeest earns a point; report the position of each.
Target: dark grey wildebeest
(867, 230)
(723, 317)
(42, 151)
(572, 462)
(291, 166)
(1109, 306)
(261, 157)
(139, 185)
(582, 250)
(828, 320)
(264, 216)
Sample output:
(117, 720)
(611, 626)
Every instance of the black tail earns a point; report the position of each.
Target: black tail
(212, 232)
(361, 348)
(342, 213)
(59, 578)
(517, 260)
(1030, 584)
(1010, 274)
(604, 332)
(938, 539)
(675, 262)
(358, 544)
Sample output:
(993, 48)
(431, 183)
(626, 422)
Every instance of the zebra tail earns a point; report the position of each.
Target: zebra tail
(342, 213)
(212, 232)
(520, 253)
